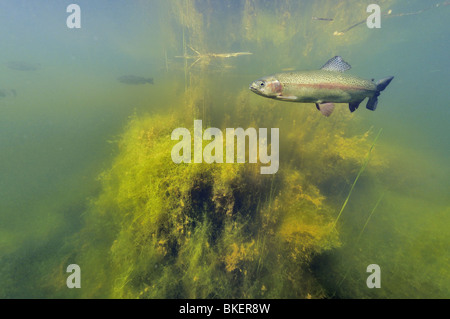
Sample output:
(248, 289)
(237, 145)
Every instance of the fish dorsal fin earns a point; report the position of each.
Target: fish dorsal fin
(336, 64)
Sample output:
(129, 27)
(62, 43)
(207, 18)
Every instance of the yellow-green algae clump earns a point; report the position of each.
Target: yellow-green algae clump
(165, 230)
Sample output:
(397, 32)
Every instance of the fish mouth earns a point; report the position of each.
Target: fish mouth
(254, 88)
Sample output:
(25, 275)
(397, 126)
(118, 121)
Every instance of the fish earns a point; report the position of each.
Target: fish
(134, 79)
(5, 93)
(323, 87)
(22, 66)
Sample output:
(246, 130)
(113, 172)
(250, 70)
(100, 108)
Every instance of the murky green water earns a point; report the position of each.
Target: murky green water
(86, 175)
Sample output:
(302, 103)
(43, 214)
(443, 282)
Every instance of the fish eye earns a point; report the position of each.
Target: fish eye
(262, 83)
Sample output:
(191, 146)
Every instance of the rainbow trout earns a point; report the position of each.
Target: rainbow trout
(323, 87)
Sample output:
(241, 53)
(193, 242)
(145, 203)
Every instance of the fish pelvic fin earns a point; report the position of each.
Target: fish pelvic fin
(373, 102)
(381, 85)
(353, 106)
(325, 108)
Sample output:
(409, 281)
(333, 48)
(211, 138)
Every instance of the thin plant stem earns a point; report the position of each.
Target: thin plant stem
(363, 167)
(368, 218)
(357, 240)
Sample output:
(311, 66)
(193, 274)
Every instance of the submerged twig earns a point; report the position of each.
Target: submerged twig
(322, 19)
(349, 28)
(208, 56)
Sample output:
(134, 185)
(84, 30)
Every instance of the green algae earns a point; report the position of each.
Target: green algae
(166, 230)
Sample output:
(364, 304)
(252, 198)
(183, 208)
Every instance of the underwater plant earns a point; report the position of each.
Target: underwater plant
(163, 230)
(166, 230)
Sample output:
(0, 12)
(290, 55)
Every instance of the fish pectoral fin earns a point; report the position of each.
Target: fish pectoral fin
(287, 97)
(325, 108)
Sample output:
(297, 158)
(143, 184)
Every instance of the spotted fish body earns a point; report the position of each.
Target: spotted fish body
(323, 87)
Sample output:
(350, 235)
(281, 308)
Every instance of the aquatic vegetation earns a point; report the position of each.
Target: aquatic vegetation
(411, 261)
(218, 230)
(363, 167)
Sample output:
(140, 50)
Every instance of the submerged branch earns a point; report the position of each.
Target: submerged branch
(208, 56)
(322, 19)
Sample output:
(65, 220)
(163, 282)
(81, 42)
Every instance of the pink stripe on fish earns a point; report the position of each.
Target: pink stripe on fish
(331, 86)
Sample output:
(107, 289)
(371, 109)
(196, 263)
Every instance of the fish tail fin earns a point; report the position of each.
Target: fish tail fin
(383, 83)
(381, 86)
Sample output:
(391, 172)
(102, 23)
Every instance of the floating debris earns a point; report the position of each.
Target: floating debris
(134, 80)
(22, 66)
(322, 19)
(208, 56)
